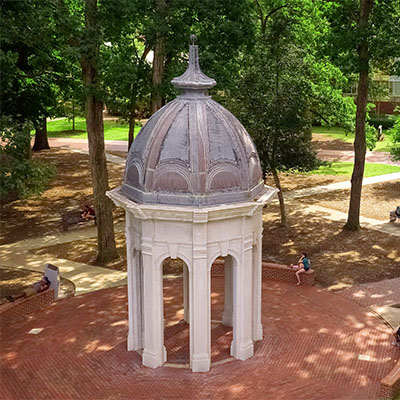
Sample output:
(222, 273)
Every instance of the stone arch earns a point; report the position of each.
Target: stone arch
(175, 307)
(222, 301)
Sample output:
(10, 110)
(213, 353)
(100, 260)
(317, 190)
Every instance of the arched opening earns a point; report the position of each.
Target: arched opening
(176, 310)
(221, 278)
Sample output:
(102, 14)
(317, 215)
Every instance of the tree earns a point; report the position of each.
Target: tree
(272, 103)
(94, 122)
(31, 63)
(361, 33)
(395, 135)
(224, 28)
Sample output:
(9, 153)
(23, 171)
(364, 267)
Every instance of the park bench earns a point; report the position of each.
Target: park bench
(395, 214)
(72, 218)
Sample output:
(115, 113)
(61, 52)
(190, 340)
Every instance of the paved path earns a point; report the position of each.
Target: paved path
(381, 297)
(328, 155)
(311, 352)
(86, 278)
(348, 156)
(367, 223)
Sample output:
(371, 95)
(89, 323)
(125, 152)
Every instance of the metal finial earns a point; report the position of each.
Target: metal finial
(193, 39)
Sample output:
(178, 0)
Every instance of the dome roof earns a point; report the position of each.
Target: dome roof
(193, 151)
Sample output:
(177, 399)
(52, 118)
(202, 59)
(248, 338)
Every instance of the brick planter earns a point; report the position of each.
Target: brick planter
(18, 310)
(282, 273)
(276, 272)
(390, 384)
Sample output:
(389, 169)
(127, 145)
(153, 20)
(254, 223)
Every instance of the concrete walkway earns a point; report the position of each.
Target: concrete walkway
(86, 278)
(375, 157)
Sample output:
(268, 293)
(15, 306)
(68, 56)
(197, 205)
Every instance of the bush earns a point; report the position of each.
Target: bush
(387, 123)
(20, 176)
(395, 133)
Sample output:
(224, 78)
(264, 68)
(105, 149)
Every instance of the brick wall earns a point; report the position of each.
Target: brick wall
(18, 310)
(276, 272)
(390, 385)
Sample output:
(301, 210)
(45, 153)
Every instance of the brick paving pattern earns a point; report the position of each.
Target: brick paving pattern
(311, 347)
(375, 294)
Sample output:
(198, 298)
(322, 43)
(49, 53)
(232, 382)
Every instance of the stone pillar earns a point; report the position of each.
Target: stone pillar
(200, 320)
(228, 292)
(154, 353)
(186, 313)
(134, 289)
(242, 344)
(257, 286)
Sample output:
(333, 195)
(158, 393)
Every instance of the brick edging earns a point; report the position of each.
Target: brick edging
(16, 311)
(277, 272)
(390, 384)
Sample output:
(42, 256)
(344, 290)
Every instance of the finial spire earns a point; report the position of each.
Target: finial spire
(193, 77)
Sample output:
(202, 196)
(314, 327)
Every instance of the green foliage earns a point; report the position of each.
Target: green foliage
(113, 130)
(20, 176)
(346, 169)
(387, 123)
(395, 133)
(272, 102)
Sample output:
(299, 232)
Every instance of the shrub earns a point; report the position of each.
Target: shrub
(395, 134)
(20, 176)
(387, 123)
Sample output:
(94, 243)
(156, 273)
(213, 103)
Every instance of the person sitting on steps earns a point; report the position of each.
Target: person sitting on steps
(303, 265)
(36, 287)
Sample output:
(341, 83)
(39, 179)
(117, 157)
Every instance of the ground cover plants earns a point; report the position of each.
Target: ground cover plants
(113, 129)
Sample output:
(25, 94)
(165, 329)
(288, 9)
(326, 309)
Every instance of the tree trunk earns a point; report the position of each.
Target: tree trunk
(73, 115)
(353, 218)
(158, 61)
(95, 128)
(41, 141)
(132, 119)
(280, 197)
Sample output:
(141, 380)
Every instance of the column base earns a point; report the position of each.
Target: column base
(242, 352)
(200, 362)
(227, 318)
(132, 344)
(153, 359)
(258, 334)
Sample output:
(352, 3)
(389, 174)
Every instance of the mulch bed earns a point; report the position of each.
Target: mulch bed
(341, 258)
(376, 200)
(70, 191)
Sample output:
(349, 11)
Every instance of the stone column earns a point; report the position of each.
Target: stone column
(242, 344)
(134, 288)
(200, 322)
(257, 283)
(154, 353)
(186, 307)
(228, 292)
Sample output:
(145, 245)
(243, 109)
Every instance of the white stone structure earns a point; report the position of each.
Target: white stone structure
(193, 190)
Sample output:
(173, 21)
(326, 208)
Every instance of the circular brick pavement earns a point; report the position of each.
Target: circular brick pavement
(311, 347)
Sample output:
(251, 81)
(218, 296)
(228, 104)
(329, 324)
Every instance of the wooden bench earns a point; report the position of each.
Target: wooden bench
(390, 384)
(73, 218)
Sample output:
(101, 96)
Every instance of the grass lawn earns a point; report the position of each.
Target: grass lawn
(338, 133)
(113, 130)
(346, 169)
